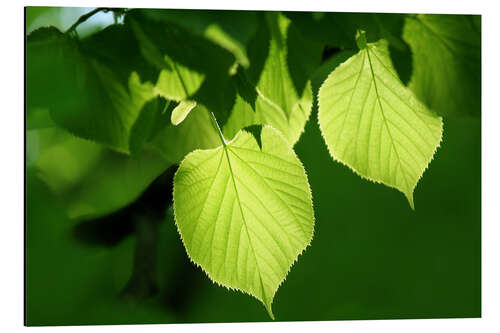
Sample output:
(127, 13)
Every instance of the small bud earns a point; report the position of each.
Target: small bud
(361, 39)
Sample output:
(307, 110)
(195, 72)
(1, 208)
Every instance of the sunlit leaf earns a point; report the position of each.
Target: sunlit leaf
(245, 212)
(181, 111)
(374, 124)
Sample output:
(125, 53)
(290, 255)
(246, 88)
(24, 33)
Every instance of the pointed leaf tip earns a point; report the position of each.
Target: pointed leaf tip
(245, 213)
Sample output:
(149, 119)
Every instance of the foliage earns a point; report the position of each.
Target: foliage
(373, 123)
(226, 96)
(244, 211)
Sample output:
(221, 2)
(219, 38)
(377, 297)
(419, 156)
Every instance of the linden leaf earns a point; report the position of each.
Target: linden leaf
(374, 124)
(244, 212)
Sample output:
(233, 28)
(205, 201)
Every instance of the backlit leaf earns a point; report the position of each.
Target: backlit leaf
(181, 111)
(374, 124)
(245, 212)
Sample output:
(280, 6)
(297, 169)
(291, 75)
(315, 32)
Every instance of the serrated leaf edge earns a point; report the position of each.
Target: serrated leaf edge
(300, 251)
(335, 158)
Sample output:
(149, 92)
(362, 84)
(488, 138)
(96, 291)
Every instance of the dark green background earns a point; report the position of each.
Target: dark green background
(371, 257)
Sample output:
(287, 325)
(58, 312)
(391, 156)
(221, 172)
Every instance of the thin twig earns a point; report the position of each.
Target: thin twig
(85, 17)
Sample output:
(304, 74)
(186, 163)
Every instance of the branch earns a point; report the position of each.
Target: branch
(85, 17)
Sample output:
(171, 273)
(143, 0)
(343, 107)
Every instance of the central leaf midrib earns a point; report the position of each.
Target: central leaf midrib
(277, 195)
(401, 99)
(120, 121)
(176, 71)
(173, 62)
(383, 114)
(269, 101)
(245, 223)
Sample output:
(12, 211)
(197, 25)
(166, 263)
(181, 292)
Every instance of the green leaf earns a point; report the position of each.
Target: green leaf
(174, 129)
(38, 119)
(229, 29)
(337, 29)
(87, 85)
(195, 132)
(181, 111)
(446, 62)
(321, 73)
(151, 119)
(35, 12)
(176, 81)
(63, 160)
(90, 179)
(244, 212)
(276, 89)
(374, 124)
(114, 182)
(189, 66)
(77, 277)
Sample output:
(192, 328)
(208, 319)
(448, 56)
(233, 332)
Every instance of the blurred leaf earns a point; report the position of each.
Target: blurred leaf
(35, 12)
(195, 132)
(276, 90)
(189, 66)
(153, 117)
(32, 147)
(339, 29)
(63, 277)
(115, 182)
(372, 123)
(63, 17)
(64, 160)
(39, 119)
(446, 62)
(176, 81)
(255, 207)
(229, 29)
(93, 181)
(88, 92)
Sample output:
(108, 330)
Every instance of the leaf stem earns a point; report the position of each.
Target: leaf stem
(216, 125)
